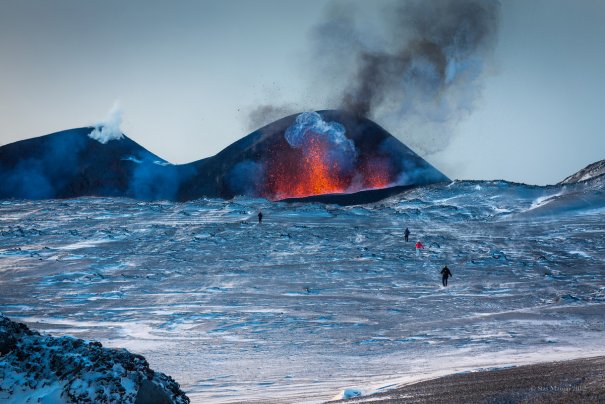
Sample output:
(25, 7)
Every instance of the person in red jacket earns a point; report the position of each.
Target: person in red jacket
(418, 247)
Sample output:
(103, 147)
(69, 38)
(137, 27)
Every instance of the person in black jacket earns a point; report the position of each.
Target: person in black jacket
(260, 216)
(406, 234)
(445, 273)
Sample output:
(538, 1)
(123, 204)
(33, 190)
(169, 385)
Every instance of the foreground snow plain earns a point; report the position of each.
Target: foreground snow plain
(318, 298)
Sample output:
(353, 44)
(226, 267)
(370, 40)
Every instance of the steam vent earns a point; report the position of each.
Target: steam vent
(303, 155)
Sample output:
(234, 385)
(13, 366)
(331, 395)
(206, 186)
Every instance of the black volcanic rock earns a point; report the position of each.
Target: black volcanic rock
(335, 153)
(36, 367)
(356, 198)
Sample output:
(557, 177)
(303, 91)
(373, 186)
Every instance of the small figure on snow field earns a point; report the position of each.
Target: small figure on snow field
(418, 247)
(406, 234)
(260, 216)
(445, 273)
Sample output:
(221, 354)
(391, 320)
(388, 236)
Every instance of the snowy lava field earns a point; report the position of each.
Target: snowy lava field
(317, 298)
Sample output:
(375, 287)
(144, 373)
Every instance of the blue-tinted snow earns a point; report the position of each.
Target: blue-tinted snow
(318, 298)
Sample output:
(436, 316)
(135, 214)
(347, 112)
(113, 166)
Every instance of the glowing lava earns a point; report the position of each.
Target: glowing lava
(313, 170)
(306, 171)
(376, 173)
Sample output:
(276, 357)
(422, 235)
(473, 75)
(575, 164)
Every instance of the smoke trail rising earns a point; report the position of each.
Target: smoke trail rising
(422, 75)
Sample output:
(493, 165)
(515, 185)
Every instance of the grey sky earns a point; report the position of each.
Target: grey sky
(188, 74)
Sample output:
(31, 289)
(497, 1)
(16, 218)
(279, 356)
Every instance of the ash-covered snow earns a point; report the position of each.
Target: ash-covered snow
(318, 298)
(40, 368)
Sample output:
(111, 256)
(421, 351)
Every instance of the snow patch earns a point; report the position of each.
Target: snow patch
(581, 253)
(543, 200)
(132, 158)
(350, 392)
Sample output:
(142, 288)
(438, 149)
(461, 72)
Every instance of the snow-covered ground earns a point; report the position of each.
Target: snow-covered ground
(317, 298)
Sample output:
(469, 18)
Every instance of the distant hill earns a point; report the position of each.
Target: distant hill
(589, 172)
(70, 164)
(299, 156)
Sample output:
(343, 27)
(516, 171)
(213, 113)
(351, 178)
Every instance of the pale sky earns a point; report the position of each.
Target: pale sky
(188, 73)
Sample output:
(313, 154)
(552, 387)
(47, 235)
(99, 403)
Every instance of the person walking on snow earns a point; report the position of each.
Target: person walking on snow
(406, 234)
(260, 216)
(418, 247)
(445, 273)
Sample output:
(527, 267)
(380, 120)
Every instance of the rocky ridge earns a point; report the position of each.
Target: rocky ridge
(36, 367)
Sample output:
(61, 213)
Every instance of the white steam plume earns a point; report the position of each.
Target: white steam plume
(109, 129)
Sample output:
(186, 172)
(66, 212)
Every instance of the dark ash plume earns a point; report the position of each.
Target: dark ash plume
(441, 40)
(423, 74)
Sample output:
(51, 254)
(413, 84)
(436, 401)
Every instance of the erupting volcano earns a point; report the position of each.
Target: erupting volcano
(317, 158)
(304, 155)
(314, 153)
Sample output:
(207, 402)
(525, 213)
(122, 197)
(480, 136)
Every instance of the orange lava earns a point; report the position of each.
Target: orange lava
(311, 173)
(376, 174)
(311, 170)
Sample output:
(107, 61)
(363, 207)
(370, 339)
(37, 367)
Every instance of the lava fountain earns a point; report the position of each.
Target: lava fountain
(307, 171)
(315, 157)
(376, 173)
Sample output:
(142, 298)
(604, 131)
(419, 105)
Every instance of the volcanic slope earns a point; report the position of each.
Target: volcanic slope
(593, 170)
(69, 164)
(313, 153)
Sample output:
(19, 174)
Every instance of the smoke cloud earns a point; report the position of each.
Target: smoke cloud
(417, 70)
(311, 124)
(421, 75)
(109, 129)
